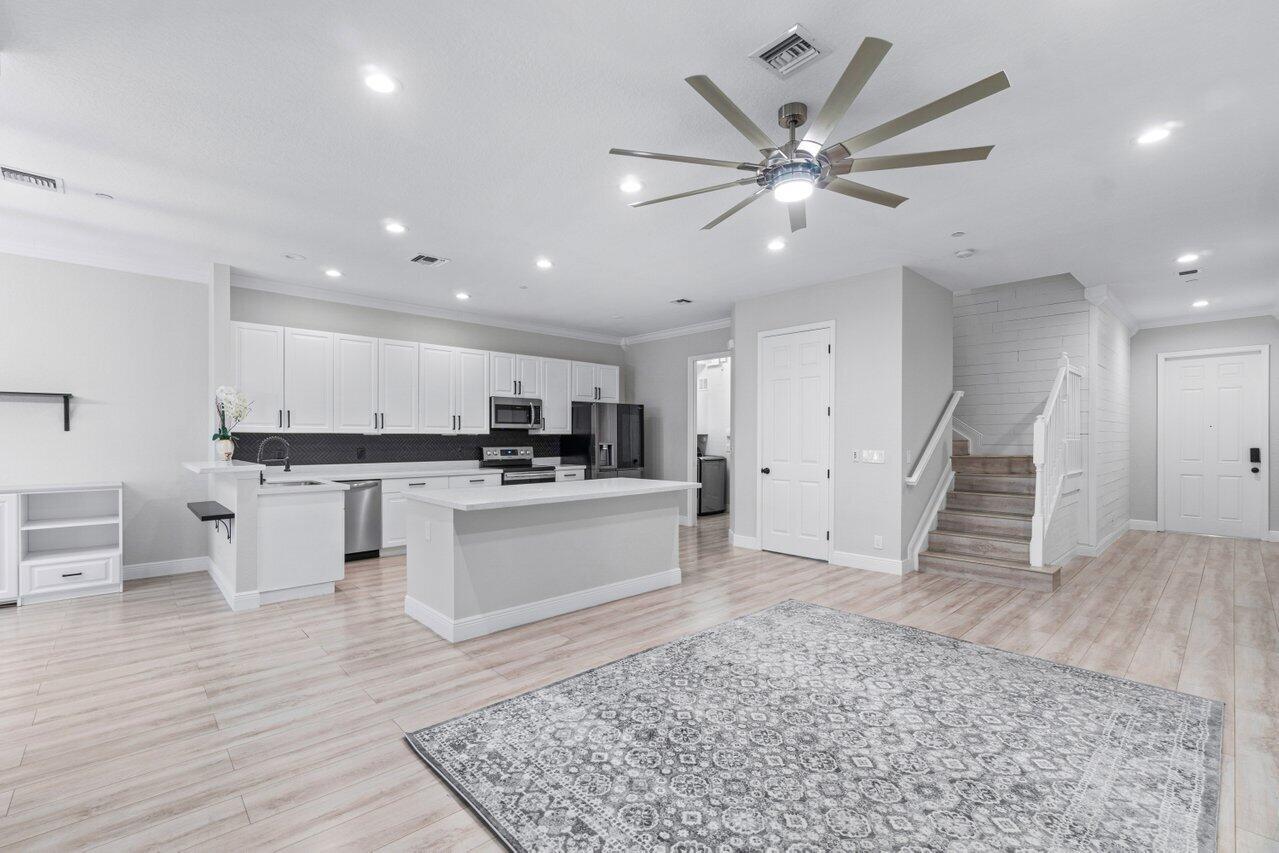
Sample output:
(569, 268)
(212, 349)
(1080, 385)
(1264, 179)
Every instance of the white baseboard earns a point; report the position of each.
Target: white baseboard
(236, 601)
(928, 519)
(751, 542)
(64, 594)
(1272, 536)
(164, 568)
(869, 562)
(457, 630)
(309, 591)
(686, 521)
(1142, 524)
(1108, 540)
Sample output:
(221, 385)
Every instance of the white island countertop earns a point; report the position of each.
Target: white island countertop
(536, 494)
(392, 470)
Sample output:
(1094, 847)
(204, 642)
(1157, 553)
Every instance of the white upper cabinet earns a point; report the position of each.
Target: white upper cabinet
(259, 374)
(596, 383)
(397, 386)
(436, 390)
(454, 389)
(502, 378)
(470, 391)
(308, 381)
(528, 376)
(355, 383)
(557, 410)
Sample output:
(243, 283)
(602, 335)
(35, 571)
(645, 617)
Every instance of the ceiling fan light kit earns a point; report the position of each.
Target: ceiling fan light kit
(794, 169)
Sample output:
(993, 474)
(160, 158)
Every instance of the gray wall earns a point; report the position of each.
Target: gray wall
(1146, 346)
(927, 380)
(259, 306)
(867, 310)
(657, 376)
(133, 349)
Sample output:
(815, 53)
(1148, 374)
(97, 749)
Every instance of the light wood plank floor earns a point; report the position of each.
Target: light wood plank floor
(159, 719)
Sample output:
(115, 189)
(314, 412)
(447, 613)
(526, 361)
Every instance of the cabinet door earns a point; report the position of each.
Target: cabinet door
(436, 389)
(259, 374)
(608, 379)
(502, 381)
(583, 382)
(8, 547)
(470, 390)
(394, 528)
(308, 381)
(354, 383)
(556, 408)
(528, 371)
(397, 386)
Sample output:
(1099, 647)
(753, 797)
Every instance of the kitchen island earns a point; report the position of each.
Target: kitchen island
(485, 559)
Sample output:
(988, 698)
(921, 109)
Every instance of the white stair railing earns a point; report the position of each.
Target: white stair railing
(935, 438)
(1058, 450)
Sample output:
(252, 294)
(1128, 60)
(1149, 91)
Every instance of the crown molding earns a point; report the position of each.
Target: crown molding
(1103, 296)
(1246, 314)
(252, 282)
(106, 261)
(678, 331)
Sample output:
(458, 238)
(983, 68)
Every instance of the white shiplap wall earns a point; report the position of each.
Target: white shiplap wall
(1110, 371)
(1007, 342)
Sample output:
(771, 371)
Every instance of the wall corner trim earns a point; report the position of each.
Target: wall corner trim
(1103, 296)
(1142, 524)
(750, 542)
(869, 562)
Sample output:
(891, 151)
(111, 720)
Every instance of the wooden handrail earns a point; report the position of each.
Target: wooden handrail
(942, 427)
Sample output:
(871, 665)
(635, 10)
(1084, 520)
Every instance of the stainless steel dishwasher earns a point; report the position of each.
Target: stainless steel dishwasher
(363, 518)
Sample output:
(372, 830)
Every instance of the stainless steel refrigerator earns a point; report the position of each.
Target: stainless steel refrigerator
(611, 438)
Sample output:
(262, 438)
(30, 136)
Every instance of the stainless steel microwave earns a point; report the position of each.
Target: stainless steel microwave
(515, 413)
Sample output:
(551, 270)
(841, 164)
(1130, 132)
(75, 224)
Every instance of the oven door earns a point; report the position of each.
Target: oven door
(514, 413)
(516, 477)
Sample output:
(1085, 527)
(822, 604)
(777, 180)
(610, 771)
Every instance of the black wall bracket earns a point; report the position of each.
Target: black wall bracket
(45, 395)
(215, 512)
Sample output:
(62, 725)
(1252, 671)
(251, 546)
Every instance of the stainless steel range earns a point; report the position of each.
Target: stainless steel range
(517, 465)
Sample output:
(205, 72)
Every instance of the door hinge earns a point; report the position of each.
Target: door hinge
(827, 535)
(827, 473)
(828, 411)
(828, 349)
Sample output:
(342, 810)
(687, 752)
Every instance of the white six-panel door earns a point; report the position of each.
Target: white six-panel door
(794, 394)
(1214, 408)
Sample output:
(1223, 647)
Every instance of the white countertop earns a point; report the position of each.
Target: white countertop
(536, 494)
(32, 488)
(235, 466)
(389, 470)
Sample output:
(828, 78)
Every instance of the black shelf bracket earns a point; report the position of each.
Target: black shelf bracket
(215, 512)
(45, 395)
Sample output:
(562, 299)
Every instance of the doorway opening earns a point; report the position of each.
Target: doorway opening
(711, 432)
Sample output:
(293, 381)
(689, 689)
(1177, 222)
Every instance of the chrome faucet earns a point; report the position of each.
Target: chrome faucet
(262, 446)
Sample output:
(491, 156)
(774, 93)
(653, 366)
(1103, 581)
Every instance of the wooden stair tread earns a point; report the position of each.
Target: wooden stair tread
(992, 561)
(980, 513)
(996, 456)
(994, 474)
(1017, 540)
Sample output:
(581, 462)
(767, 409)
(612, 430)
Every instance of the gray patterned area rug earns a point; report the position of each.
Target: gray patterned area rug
(801, 728)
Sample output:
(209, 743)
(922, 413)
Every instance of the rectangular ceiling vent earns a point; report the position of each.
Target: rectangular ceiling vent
(31, 179)
(785, 55)
(1188, 272)
(429, 260)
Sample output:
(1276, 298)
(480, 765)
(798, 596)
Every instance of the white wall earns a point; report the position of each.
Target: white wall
(1146, 346)
(1109, 371)
(1007, 341)
(133, 349)
(714, 404)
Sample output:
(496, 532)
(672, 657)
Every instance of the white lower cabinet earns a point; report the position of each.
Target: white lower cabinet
(394, 491)
(576, 474)
(471, 480)
(8, 547)
(69, 576)
(60, 542)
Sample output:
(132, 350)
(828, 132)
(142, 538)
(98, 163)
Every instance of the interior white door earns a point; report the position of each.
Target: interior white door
(556, 409)
(1215, 410)
(583, 382)
(355, 402)
(608, 378)
(528, 370)
(308, 381)
(259, 374)
(8, 547)
(470, 391)
(397, 386)
(794, 395)
(436, 389)
(504, 374)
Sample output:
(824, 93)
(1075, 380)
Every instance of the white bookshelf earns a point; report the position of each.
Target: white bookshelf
(69, 541)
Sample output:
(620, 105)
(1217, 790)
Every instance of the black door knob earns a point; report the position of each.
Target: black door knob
(765, 470)
(1256, 470)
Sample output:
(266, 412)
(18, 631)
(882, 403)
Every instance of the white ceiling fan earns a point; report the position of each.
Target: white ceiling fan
(794, 169)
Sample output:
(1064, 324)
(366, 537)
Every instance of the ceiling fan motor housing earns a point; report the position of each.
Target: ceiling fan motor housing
(792, 115)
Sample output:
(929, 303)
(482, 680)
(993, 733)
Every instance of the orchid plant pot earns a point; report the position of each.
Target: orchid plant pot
(226, 449)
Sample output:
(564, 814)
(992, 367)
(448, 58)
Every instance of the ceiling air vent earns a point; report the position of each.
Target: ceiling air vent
(428, 260)
(31, 179)
(785, 55)
(681, 301)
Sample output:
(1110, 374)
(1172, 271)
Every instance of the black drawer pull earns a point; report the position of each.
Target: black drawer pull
(72, 574)
(411, 485)
(478, 481)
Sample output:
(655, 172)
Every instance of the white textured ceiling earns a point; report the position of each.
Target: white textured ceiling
(235, 131)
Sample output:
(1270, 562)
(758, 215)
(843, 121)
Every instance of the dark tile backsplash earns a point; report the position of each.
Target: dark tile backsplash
(344, 448)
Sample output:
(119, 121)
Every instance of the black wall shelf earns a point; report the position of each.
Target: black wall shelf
(213, 511)
(44, 395)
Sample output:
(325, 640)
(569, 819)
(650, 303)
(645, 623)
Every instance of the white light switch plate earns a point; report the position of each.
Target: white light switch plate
(873, 456)
(879, 541)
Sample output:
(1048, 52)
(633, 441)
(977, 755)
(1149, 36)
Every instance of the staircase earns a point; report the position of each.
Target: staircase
(983, 534)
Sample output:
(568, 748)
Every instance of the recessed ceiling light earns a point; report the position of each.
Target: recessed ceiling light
(1199, 303)
(106, 196)
(332, 273)
(630, 184)
(381, 82)
(462, 295)
(958, 233)
(294, 256)
(544, 263)
(393, 227)
(1155, 134)
(617, 316)
(523, 287)
(776, 244)
(965, 253)
(1188, 258)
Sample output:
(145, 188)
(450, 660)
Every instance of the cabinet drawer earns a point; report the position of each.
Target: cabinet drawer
(561, 476)
(404, 484)
(465, 482)
(51, 576)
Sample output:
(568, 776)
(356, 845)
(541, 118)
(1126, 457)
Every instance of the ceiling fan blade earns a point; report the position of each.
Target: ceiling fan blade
(679, 158)
(938, 108)
(734, 209)
(865, 193)
(729, 110)
(849, 86)
(906, 161)
(743, 182)
(798, 216)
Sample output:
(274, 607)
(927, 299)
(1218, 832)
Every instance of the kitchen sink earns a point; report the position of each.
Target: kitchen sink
(298, 483)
